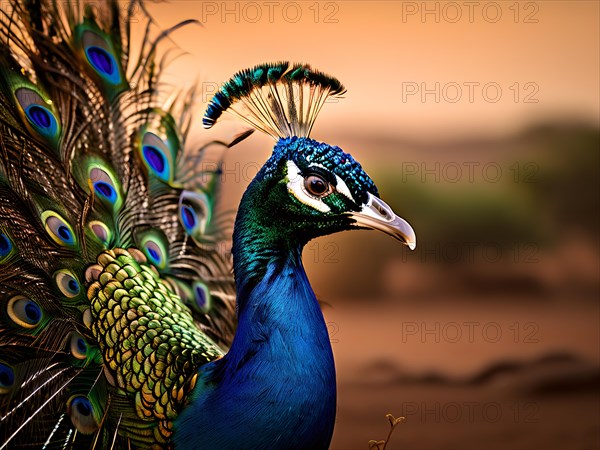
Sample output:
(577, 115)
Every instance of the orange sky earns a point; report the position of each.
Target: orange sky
(387, 53)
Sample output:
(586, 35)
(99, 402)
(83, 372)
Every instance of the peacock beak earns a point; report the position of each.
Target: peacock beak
(377, 215)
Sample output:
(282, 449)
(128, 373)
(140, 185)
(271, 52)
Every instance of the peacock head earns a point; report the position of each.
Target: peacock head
(315, 187)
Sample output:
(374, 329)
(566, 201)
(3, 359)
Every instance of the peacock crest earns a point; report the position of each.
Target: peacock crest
(279, 99)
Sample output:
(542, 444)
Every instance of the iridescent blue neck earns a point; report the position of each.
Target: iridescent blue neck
(276, 386)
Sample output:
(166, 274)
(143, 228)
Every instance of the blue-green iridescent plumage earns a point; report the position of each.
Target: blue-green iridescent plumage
(118, 325)
(275, 388)
(281, 346)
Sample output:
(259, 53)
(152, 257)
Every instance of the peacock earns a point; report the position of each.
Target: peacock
(123, 324)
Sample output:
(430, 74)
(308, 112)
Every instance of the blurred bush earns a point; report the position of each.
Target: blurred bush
(479, 230)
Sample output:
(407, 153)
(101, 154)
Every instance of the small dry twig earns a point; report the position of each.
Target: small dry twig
(381, 445)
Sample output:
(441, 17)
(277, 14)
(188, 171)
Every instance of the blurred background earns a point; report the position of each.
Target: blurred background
(479, 122)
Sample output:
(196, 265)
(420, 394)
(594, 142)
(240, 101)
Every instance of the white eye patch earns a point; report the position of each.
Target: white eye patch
(296, 187)
(341, 186)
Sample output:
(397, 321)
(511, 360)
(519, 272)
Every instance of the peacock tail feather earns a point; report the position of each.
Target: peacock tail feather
(113, 286)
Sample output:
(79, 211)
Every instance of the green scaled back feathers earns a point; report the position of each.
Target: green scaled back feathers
(113, 288)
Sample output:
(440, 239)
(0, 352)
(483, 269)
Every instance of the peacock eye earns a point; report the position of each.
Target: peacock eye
(317, 186)
(7, 378)
(67, 283)
(78, 346)
(81, 411)
(24, 312)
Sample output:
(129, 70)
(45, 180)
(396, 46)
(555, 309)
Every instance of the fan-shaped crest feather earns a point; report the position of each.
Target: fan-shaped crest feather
(280, 99)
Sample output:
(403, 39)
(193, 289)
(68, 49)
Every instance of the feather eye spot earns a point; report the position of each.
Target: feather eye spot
(39, 116)
(155, 248)
(201, 297)
(7, 378)
(24, 312)
(78, 346)
(154, 253)
(67, 283)
(188, 216)
(106, 191)
(99, 51)
(33, 312)
(155, 159)
(158, 155)
(194, 212)
(81, 412)
(101, 60)
(81, 345)
(5, 244)
(64, 233)
(6, 247)
(83, 406)
(58, 229)
(42, 119)
(101, 231)
(38, 113)
(105, 186)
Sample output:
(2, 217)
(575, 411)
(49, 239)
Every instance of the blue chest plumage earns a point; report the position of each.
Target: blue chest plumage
(275, 388)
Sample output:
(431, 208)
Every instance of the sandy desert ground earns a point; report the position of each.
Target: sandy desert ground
(533, 387)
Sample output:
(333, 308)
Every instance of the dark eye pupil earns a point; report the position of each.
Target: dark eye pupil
(81, 345)
(72, 285)
(316, 185)
(64, 232)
